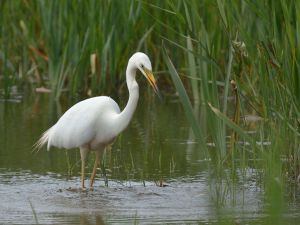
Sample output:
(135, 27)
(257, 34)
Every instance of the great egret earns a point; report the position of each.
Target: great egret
(94, 123)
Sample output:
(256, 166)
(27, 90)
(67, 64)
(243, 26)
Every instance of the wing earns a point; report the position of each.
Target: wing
(80, 124)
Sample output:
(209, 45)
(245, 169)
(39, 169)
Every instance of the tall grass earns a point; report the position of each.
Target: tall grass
(253, 49)
(245, 61)
(59, 37)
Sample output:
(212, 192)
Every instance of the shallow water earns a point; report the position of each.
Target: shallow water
(55, 200)
(156, 148)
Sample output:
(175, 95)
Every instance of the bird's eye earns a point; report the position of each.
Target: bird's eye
(142, 65)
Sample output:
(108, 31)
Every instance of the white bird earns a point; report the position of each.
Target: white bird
(94, 123)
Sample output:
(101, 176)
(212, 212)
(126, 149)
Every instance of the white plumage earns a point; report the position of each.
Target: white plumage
(95, 122)
(80, 124)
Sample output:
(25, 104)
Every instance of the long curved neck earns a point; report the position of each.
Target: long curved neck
(125, 116)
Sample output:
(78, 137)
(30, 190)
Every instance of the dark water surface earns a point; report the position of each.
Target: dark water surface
(157, 148)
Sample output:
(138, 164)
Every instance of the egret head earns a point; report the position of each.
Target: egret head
(143, 63)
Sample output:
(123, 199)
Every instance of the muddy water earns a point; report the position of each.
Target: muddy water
(156, 149)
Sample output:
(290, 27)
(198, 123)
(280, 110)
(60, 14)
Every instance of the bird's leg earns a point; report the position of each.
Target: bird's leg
(83, 154)
(82, 174)
(97, 160)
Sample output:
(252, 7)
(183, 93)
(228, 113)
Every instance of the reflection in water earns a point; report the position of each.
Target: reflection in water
(53, 201)
(157, 146)
(156, 139)
(84, 220)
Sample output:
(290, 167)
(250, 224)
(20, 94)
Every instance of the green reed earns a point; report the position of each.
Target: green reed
(58, 38)
(244, 57)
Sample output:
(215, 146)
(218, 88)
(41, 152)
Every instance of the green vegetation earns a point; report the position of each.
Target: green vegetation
(234, 64)
(52, 44)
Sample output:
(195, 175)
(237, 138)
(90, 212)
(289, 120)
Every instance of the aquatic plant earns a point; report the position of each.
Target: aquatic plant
(245, 64)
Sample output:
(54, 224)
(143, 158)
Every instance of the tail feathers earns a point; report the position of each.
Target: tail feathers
(42, 141)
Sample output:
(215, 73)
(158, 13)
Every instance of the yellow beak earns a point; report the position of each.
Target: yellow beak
(149, 75)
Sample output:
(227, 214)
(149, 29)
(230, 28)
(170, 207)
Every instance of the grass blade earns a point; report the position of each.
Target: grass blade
(188, 109)
(222, 12)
